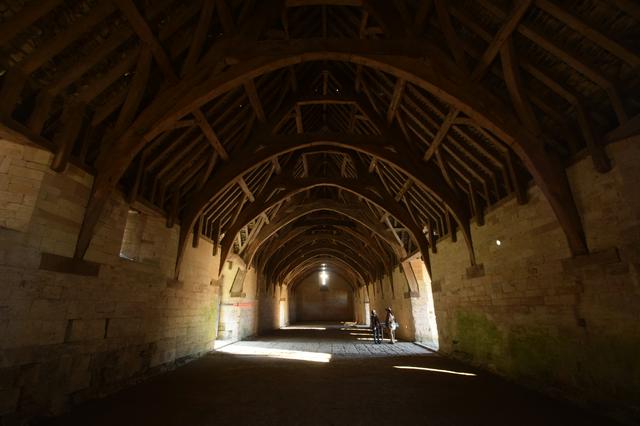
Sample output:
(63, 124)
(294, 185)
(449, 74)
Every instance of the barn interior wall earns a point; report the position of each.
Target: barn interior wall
(535, 314)
(410, 299)
(273, 308)
(333, 303)
(69, 332)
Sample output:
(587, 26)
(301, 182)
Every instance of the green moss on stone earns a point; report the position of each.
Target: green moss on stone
(478, 337)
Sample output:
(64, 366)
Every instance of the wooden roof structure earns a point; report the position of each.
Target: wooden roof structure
(300, 132)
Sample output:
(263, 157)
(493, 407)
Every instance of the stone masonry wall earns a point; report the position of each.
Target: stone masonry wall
(333, 303)
(381, 295)
(66, 337)
(273, 308)
(534, 314)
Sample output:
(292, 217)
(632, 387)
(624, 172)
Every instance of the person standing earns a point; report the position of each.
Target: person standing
(376, 327)
(391, 325)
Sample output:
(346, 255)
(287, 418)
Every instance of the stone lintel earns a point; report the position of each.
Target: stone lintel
(238, 294)
(604, 257)
(68, 265)
(475, 271)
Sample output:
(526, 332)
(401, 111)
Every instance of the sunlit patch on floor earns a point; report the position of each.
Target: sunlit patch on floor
(276, 353)
(433, 370)
(360, 334)
(302, 327)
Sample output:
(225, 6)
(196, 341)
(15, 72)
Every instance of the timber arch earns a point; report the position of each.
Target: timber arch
(180, 175)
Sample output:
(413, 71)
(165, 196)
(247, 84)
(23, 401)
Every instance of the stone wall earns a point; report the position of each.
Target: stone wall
(238, 306)
(394, 292)
(314, 303)
(529, 311)
(273, 308)
(69, 330)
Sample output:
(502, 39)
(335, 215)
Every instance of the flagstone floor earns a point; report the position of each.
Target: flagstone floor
(322, 374)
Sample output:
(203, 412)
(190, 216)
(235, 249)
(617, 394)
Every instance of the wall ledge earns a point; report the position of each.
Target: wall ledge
(475, 271)
(603, 257)
(68, 265)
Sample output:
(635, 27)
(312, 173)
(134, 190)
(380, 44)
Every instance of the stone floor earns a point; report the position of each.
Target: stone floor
(326, 375)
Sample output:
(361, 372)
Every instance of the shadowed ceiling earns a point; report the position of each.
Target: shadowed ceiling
(295, 133)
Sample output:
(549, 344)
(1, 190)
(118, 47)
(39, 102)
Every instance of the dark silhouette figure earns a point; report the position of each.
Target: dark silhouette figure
(376, 326)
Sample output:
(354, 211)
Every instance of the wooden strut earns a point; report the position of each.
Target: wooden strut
(448, 81)
(296, 186)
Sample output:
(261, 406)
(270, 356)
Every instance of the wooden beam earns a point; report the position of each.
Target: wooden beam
(630, 128)
(56, 44)
(455, 47)
(72, 117)
(305, 166)
(514, 86)
(141, 28)
(570, 19)
(276, 166)
(199, 36)
(407, 184)
(224, 13)
(211, 136)
(11, 90)
(197, 229)
(398, 91)
(40, 114)
(245, 188)
(504, 33)
(254, 98)
(569, 58)
(299, 126)
(475, 102)
(136, 91)
(442, 132)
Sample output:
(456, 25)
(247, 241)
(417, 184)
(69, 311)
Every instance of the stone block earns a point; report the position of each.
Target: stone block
(85, 329)
(48, 309)
(124, 327)
(80, 376)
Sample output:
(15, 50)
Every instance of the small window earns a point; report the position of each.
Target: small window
(132, 238)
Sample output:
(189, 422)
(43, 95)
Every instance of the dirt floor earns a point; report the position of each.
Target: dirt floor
(324, 375)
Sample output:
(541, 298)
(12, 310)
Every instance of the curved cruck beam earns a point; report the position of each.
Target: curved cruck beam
(422, 64)
(367, 241)
(312, 243)
(324, 257)
(283, 144)
(298, 276)
(313, 265)
(301, 210)
(326, 250)
(294, 186)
